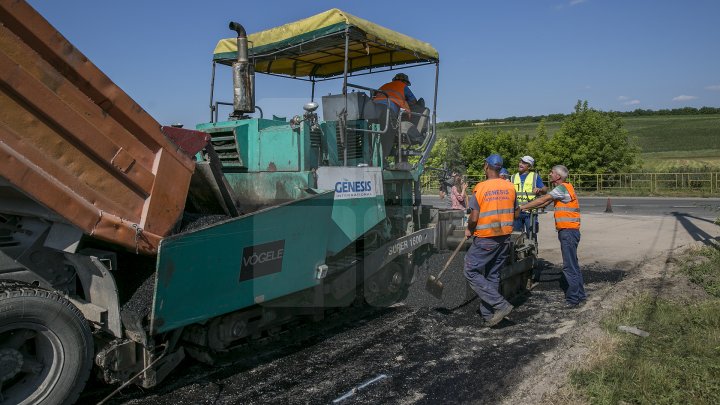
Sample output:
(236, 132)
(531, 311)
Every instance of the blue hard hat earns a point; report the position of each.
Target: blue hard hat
(494, 161)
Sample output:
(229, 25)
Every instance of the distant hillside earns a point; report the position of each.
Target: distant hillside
(668, 141)
(559, 117)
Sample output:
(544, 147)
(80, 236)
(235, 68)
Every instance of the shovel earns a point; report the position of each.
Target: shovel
(433, 285)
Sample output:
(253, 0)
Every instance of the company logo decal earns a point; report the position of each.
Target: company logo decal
(351, 182)
(262, 260)
(354, 189)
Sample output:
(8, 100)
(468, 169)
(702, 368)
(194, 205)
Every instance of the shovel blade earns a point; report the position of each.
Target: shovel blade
(434, 287)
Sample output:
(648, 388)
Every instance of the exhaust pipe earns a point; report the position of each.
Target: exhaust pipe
(243, 76)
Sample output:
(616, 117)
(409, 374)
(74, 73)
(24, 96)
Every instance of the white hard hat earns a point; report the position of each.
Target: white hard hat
(529, 160)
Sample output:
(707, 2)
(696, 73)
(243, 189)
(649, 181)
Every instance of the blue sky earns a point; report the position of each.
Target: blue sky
(498, 58)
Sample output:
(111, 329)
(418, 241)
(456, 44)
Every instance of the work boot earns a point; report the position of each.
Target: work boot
(567, 305)
(500, 315)
(480, 321)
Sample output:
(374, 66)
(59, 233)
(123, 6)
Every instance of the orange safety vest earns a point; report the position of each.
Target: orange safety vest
(567, 215)
(496, 198)
(396, 90)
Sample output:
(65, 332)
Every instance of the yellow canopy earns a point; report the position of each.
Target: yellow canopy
(315, 47)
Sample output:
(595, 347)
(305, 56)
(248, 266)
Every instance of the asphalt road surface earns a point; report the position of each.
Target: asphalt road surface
(427, 351)
(706, 208)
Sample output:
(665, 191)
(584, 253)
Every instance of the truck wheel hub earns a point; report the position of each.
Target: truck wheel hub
(11, 362)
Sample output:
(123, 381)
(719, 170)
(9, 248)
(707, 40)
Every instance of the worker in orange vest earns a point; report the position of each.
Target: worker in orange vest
(398, 92)
(567, 223)
(490, 225)
(393, 96)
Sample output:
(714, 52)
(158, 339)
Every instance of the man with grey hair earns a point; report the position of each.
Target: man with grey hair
(567, 223)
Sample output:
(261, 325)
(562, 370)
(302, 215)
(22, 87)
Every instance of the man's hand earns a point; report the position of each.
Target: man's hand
(516, 213)
(538, 202)
(467, 233)
(540, 190)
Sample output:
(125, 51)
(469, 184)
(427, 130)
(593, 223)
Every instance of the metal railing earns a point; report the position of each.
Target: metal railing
(651, 183)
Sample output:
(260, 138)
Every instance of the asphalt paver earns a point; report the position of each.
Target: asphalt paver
(422, 350)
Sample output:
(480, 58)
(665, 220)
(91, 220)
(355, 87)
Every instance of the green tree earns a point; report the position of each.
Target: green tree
(591, 141)
(445, 154)
(475, 147)
(437, 154)
(453, 156)
(537, 147)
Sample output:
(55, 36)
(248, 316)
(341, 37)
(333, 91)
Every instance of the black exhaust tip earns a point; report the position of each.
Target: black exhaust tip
(237, 27)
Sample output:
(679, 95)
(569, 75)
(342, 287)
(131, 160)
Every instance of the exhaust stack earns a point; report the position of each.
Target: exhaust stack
(243, 76)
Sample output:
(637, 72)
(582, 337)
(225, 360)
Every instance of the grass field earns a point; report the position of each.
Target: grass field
(678, 363)
(668, 143)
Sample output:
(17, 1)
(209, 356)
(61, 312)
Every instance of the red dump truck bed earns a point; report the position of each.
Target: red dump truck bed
(78, 144)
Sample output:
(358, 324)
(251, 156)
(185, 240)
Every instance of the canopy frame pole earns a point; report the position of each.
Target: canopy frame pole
(426, 153)
(312, 91)
(212, 93)
(345, 75)
(437, 76)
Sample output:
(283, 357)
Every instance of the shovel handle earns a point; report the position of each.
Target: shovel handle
(447, 264)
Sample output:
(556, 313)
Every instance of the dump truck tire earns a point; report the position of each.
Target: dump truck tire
(46, 348)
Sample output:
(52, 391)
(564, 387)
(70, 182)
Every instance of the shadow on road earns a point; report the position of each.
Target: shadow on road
(591, 274)
(694, 231)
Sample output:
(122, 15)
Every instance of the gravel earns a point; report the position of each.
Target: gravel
(192, 222)
(140, 303)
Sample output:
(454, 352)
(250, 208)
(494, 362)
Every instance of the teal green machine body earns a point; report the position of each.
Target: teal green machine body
(299, 207)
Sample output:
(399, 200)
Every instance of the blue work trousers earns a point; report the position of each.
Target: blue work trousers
(483, 262)
(523, 223)
(572, 282)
